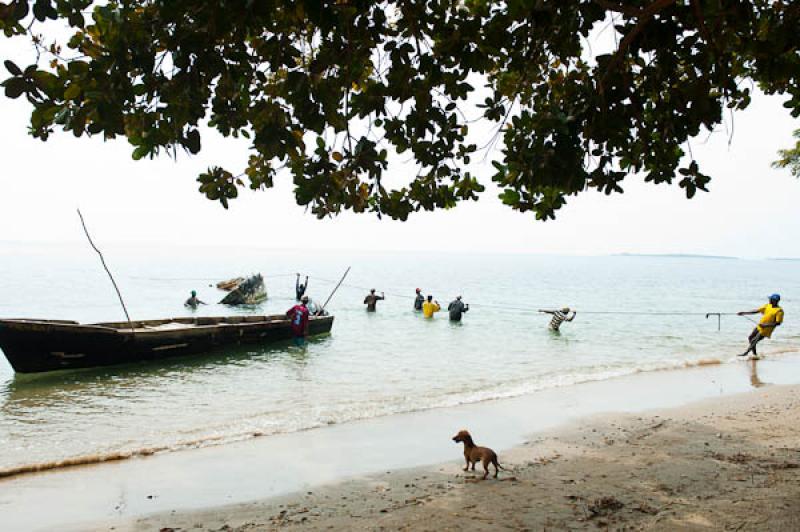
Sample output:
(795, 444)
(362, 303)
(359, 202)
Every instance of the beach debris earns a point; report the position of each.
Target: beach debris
(249, 292)
(604, 506)
(646, 508)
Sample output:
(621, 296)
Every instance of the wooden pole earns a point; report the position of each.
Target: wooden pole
(336, 288)
(103, 261)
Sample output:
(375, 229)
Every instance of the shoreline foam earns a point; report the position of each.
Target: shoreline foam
(268, 467)
(729, 463)
(215, 439)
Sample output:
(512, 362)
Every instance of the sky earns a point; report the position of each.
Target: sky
(751, 210)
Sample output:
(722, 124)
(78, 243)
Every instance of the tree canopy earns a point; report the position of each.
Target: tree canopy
(335, 91)
(790, 158)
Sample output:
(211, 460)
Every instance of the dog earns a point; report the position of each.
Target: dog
(473, 454)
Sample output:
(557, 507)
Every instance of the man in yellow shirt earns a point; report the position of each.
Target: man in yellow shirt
(429, 307)
(772, 316)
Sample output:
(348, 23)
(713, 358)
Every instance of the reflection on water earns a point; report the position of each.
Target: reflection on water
(371, 364)
(754, 380)
(125, 380)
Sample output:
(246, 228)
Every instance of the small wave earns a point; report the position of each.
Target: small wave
(445, 401)
(702, 362)
(784, 351)
(115, 456)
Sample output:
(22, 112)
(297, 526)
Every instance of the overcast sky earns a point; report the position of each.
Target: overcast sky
(751, 210)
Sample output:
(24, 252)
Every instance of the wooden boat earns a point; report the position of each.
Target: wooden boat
(230, 284)
(251, 291)
(33, 346)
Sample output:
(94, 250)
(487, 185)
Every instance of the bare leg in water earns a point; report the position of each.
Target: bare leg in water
(754, 338)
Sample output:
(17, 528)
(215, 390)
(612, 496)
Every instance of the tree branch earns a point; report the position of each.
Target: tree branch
(644, 16)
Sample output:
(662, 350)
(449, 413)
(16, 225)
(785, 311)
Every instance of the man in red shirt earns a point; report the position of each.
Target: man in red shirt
(298, 315)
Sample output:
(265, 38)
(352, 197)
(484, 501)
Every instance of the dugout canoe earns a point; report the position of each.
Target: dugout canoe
(33, 346)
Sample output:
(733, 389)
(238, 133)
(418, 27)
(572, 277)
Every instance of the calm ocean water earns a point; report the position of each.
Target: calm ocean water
(372, 364)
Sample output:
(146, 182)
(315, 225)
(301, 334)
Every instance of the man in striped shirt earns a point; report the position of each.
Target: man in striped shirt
(559, 317)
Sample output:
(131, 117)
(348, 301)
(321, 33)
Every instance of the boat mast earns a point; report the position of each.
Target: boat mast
(103, 261)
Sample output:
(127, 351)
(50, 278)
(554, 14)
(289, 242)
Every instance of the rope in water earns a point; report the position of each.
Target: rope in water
(530, 308)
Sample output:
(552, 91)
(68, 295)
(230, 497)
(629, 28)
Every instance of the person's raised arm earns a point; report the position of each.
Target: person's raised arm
(297, 283)
(383, 296)
(547, 311)
(571, 317)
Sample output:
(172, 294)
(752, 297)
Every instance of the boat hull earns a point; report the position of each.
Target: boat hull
(33, 346)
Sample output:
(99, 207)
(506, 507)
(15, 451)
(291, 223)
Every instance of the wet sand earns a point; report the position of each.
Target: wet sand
(730, 457)
(722, 464)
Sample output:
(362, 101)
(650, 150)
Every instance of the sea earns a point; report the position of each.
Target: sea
(634, 314)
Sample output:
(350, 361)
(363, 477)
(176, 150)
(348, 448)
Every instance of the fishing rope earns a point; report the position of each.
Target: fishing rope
(529, 308)
(169, 279)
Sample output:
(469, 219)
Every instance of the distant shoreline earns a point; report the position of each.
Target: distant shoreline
(675, 256)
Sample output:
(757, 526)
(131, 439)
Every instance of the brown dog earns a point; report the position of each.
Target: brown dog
(473, 453)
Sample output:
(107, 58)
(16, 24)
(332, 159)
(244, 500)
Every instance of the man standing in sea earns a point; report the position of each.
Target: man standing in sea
(419, 300)
(298, 316)
(456, 308)
(372, 299)
(430, 307)
(772, 316)
(193, 301)
(559, 317)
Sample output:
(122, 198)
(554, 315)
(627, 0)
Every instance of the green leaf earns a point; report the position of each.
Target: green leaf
(193, 141)
(15, 87)
(12, 68)
(140, 152)
(510, 197)
(72, 92)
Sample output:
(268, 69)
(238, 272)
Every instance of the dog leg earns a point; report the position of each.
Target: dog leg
(466, 467)
(485, 468)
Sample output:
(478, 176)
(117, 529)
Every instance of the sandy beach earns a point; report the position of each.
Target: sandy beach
(706, 448)
(721, 464)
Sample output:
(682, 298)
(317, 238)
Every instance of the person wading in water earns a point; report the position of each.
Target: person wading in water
(298, 316)
(372, 299)
(193, 301)
(300, 289)
(772, 317)
(430, 307)
(419, 300)
(559, 317)
(457, 308)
